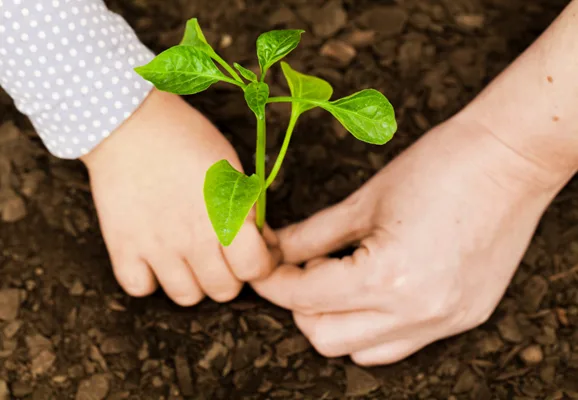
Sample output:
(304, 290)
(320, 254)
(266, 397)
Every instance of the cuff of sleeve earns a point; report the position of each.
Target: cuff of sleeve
(79, 85)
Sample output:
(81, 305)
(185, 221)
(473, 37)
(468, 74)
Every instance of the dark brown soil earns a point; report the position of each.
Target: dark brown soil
(68, 331)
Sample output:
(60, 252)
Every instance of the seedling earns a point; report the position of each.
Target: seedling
(190, 68)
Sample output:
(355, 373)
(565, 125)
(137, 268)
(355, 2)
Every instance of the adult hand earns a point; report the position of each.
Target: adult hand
(440, 230)
(147, 181)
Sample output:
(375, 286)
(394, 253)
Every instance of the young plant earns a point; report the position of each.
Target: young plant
(190, 68)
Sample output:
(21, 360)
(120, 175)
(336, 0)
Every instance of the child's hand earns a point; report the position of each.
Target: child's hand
(147, 181)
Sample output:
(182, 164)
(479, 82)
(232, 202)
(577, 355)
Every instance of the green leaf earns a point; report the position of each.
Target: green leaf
(194, 37)
(367, 115)
(181, 70)
(273, 46)
(229, 197)
(246, 73)
(305, 87)
(256, 95)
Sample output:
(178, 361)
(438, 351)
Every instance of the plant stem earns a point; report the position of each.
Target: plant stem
(263, 75)
(283, 151)
(234, 82)
(228, 68)
(289, 99)
(260, 171)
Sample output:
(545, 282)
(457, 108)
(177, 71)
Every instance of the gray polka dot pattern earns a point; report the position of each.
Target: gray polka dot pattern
(68, 65)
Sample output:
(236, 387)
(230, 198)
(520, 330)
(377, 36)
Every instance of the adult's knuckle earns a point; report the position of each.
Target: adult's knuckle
(374, 284)
(443, 304)
(353, 205)
(379, 279)
(433, 310)
(387, 267)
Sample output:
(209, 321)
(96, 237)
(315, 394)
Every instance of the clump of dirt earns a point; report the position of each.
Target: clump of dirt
(68, 331)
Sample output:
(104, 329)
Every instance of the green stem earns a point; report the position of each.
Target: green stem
(263, 75)
(260, 171)
(234, 82)
(289, 99)
(228, 68)
(283, 151)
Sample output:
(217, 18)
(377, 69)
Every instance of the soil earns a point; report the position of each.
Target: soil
(68, 331)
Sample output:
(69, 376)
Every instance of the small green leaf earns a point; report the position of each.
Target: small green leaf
(367, 115)
(305, 87)
(229, 197)
(256, 95)
(194, 37)
(246, 73)
(181, 70)
(274, 45)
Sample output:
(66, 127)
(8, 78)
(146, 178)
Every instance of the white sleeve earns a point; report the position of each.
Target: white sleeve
(68, 65)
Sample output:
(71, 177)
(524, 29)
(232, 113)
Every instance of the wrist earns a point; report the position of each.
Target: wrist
(549, 150)
(532, 106)
(126, 136)
(519, 168)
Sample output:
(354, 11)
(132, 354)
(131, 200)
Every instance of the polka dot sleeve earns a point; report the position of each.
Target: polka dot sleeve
(68, 65)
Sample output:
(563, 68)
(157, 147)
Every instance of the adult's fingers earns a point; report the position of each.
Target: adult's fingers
(331, 285)
(176, 278)
(326, 231)
(248, 255)
(270, 237)
(339, 334)
(386, 353)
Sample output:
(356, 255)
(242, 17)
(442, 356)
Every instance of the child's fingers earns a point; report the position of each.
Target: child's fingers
(176, 278)
(134, 275)
(248, 255)
(212, 271)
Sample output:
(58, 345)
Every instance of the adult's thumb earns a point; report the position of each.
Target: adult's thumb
(331, 229)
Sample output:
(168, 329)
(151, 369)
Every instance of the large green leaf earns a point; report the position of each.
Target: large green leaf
(367, 115)
(194, 37)
(229, 197)
(246, 73)
(256, 95)
(305, 87)
(274, 45)
(181, 70)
